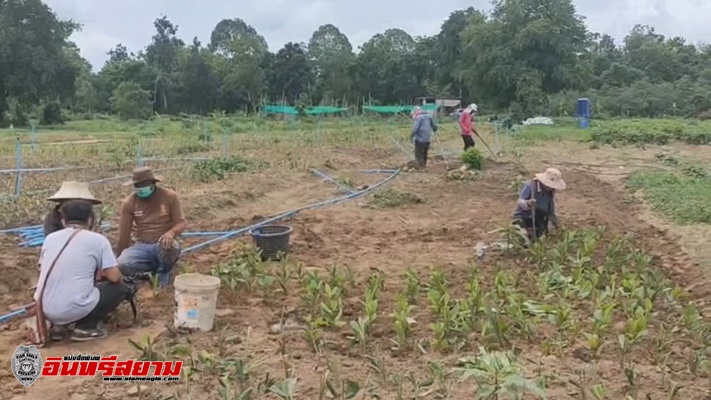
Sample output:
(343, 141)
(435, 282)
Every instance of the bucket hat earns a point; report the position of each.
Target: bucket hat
(552, 178)
(143, 174)
(74, 191)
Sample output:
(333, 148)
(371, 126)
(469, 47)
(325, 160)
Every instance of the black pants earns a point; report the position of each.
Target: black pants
(421, 150)
(468, 142)
(540, 229)
(111, 295)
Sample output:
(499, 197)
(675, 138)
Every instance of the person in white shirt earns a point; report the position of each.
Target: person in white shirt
(72, 294)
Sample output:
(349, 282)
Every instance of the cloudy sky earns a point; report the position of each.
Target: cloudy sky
(130, 22)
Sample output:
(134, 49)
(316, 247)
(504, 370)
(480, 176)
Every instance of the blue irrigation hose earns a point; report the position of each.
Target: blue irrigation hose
(195, 234)
(16, 170)
(175, 158)
(344, 188)
(37, 240)
(230, 235)
(35, 237)
(13, 314)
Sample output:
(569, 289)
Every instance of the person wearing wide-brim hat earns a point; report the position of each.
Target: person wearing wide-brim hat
(155, 217)
(536, 203)
(68, 191)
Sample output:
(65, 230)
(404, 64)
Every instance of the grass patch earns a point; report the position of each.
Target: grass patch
(473, 158)
(219, 168)
(562, 131)
(684, 196)
(392, 198)
(652, 131)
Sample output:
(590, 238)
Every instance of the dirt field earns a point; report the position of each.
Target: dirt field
(430, 236)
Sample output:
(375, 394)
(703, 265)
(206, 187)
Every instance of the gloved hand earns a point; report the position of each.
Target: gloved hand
(528, 204)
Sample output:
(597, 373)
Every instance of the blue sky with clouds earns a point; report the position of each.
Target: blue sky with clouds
(130, 22)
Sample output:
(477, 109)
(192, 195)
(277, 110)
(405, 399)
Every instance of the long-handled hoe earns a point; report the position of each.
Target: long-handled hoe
(441, 151)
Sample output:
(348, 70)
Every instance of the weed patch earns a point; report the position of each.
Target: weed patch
(647, 131)
(473, 158)
(684, 196)
(219, 169)
(392, 198)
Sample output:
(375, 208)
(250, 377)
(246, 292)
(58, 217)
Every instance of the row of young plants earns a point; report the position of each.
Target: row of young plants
(652, 131)
(582, 295)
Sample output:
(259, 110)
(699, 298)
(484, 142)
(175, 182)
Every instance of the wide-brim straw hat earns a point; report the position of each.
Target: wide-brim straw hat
(143, 174)
(74, 191)
(552, 178)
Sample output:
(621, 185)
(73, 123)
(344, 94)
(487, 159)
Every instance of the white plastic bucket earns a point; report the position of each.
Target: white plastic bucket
(195, 300)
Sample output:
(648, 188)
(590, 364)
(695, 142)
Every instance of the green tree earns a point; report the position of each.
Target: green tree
(35, 64)
(332, 55)
(290, 74)
(242, 56)
(162, 57)
(131, 102)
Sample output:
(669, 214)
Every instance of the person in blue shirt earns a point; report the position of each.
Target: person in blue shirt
(536, 203)
(422, 129)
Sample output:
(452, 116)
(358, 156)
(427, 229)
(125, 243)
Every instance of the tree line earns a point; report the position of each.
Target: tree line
(525, 57)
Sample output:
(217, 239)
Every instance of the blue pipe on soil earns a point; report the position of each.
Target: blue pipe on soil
(175, 158)
(230, 235)
(344, 188)
(34, 234)
(378, 171)
(11, 315)
(195, 234)
(16, 170)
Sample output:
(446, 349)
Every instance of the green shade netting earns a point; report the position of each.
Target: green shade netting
(399, 109)
(289, 110)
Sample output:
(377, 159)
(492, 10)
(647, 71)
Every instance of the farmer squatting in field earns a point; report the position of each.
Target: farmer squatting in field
(422, 129)
(72, 260)
(536, 203)
(154, 215)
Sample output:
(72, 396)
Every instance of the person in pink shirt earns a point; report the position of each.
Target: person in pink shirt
(466, 124)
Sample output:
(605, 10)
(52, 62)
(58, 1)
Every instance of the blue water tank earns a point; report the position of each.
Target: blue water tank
(583, 112)
(583, 108)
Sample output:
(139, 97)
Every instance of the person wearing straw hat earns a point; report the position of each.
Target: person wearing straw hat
(466, 125)
(68, 191)
(154, 216)
(422, 129)
(536, 203)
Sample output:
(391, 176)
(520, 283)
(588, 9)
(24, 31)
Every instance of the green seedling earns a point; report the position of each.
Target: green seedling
(498, 375)
(594, 343)
(403, 321)
(311, 288)
(412, 285)
(598, 392)
(147, 350)
(285, 390)
(359, 332)
(312, 334)
(284, 275)
(331, 307)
